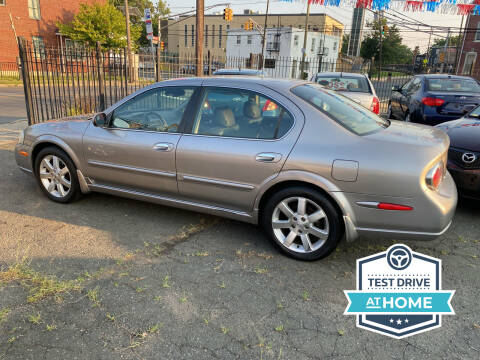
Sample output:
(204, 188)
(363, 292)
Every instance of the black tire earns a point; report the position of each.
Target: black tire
(389, 112)
(74, 191)
(335, 225)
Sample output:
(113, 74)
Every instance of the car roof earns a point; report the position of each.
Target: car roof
(340, 74)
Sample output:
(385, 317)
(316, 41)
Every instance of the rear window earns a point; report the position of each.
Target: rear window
(453, 85)
(346, 112)
(344, 83)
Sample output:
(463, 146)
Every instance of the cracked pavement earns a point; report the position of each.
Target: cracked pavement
(174, 284)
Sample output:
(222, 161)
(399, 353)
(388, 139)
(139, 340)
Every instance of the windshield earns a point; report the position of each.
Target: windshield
(344, 83)
(453, 85)
(348, 113)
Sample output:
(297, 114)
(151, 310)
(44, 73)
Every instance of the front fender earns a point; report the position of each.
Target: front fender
(52, 139)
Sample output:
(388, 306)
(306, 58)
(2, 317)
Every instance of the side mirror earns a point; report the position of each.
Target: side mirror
(396, 88)
(100, 120)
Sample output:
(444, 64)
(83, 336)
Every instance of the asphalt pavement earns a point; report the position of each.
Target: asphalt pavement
(12, 104)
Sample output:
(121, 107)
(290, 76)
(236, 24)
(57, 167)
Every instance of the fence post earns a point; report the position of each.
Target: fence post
(26, 79)
(101, 80)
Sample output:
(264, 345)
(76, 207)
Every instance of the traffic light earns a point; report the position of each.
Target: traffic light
(162, 45)
(227, 14)
(384, 29)
(248, 25)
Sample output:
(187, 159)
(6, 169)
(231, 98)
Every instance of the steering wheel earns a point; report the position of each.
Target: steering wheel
(156, 121)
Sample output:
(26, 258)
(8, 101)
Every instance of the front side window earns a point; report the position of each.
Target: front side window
(154, 110)
(344, 83)
(346, 112)
(34, 9)
(241, 114)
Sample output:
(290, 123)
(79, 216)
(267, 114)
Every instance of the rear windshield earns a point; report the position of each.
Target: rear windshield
(453, 85)
(344, 83)
(348, 113)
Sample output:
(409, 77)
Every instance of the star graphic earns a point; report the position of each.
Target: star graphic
(391, 321)
(406, 321)
(399, 322)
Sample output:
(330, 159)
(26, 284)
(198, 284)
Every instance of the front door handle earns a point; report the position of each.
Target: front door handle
(163, 147)
(268, 157)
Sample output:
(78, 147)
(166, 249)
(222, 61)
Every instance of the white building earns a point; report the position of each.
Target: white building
(283, 53)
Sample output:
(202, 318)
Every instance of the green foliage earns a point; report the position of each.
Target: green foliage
(393, 51)
(452, 41)
(102, 23)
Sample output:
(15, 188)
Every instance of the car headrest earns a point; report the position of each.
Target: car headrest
(251, 110)
(224, 117)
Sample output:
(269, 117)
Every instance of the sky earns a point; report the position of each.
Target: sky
(411, 37)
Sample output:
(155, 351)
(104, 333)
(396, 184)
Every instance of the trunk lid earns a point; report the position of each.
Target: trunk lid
(364, 99)
(455, 103)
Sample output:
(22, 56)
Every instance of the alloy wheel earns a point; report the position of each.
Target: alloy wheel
(55, 176)
(300, 224)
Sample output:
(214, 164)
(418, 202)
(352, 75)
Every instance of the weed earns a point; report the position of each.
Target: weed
(153, 329)
(165, 283)
(139, 289)
(224, 330)
(12, 339)
(183, 299)
(51, 327)
(341, 332)
(305, 296)
(35, 319)
(41, 286)
(280, 305)
(157, 298)
(110, 317)
(279, 328)
(201, 253)
(205, 320)
(92, 294)
(222, 285)
(260, 270)
(3, 314)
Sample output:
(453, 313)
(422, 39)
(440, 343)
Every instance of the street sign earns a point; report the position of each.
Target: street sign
(148, 23)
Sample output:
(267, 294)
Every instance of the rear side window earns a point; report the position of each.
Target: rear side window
(453, 85)
(240, 113)
(344, 83)
(346, 112)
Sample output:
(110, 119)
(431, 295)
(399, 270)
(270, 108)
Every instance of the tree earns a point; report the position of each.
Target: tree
(393, 51)
(345, 41)
(160, 9)
(102, 23)
(452, 41)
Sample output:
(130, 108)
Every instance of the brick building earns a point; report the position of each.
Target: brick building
(34, 20)
(469, 63)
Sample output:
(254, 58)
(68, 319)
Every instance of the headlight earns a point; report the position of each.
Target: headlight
(21, 137)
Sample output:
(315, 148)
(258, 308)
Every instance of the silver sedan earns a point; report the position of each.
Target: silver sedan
(308, 164)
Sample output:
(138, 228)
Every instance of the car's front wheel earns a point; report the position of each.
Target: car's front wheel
(56, 175)
(302, 222)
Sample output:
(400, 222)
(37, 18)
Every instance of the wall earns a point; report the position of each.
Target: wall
(471, 46)
(51, 11)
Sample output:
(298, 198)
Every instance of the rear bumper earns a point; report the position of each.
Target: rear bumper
(431, 215)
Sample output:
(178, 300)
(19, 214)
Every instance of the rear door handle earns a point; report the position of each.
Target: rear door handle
(268, 157)
(163, 147)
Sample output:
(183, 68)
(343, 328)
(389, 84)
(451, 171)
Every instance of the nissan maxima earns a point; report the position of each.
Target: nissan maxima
(306, 163)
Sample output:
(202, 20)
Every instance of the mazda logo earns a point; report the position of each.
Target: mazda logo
(469, 158)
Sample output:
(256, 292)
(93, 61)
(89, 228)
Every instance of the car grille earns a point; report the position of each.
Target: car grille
(455, 155)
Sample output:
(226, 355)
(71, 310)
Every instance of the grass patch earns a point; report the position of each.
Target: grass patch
(40, 286)
(35, 319)
(92, 294)
(3, 314)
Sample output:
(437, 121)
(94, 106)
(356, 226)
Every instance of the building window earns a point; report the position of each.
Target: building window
(270, 63)
(193, 35)
(186, 35)
(228, 27)
(295, 40)
(38, 47)
(220, 36)
(239, 39)
(2, 2)
(469, 63)
(249, 39)
(335, 46)
(205, 36)
(34, 9)
(477, 33)
(312, 48)
(213, 36)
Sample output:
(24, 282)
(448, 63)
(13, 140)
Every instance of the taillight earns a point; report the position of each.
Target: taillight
(435, 176)
(375, 107)
(431, 101)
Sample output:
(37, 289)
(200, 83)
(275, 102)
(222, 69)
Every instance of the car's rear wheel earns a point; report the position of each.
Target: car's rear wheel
(302, 223)
(389, 111)
(56, 174)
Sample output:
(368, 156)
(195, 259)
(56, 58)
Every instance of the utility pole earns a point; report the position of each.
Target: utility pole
(264, 44)
(380, 54)
(304, 49)
(199, 43)
(445, 57)
(457, 57)
(129, 45)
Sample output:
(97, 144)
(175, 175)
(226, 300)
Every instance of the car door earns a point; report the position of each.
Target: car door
(136, 151)
(406, 98)
(238, 140)
(396, 99)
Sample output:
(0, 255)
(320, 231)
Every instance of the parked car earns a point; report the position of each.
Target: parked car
(464, 154)
(433, 99)
(244, 72)
(310, 168)
(355, 86)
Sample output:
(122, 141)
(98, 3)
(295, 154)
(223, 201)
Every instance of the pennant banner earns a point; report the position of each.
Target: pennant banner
(451, 7)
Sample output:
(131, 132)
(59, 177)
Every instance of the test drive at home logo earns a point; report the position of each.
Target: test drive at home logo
(399, 293)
